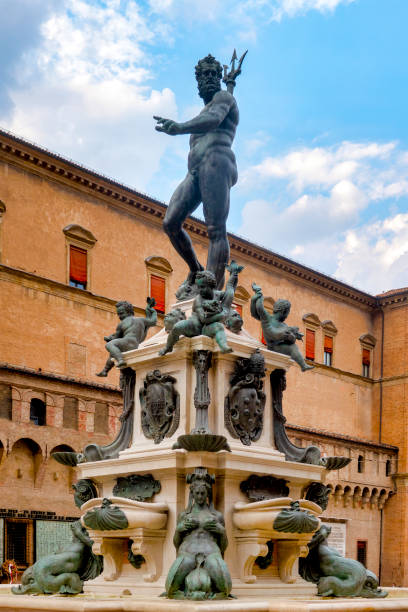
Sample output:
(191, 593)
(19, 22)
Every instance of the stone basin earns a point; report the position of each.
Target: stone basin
(149, 515)
(262, 514)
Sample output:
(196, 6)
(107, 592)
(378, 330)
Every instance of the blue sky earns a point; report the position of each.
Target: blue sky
(322, 145)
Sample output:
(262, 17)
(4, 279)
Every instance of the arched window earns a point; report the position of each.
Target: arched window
(38, 412)
(360, 464)
(388, 467)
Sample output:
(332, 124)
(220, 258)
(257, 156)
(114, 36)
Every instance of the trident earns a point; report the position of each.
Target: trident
(229, 77)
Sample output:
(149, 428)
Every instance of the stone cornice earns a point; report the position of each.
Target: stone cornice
(19, 152)
(333, 371)
(47, 285)
(337, 437)
(398, 297)
(8, 367)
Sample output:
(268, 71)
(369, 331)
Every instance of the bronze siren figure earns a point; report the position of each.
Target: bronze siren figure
(212, 170)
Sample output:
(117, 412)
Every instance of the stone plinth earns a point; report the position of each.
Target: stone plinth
(179, 364)
(170, 466)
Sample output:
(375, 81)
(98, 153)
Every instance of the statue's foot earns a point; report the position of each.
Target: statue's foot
(307, 367)
(188, 288)
(226, 349)
(186, 291)
(165, 350)
(121, 363)
(103, 373)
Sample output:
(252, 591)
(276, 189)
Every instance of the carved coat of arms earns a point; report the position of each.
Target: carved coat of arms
(245, 402)
(160, 409)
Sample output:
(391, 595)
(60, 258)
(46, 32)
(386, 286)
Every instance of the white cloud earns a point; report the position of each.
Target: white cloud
(188, 10)
(273, 9)
(375, 257)
(246, 16)
(257, 142)
(293, 8)
(87, 89)
(318, 167)
(319, 212)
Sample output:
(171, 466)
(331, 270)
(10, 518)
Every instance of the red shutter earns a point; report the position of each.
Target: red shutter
(158, 292)
(77, 265)
(263, 338)
(238, 308)
(328, 344)
(310, 344)
(366, 357)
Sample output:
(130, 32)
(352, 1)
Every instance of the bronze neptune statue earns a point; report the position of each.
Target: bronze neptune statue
(212, 171)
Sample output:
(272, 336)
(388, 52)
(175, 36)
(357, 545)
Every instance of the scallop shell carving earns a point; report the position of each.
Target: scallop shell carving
(334, 463)
(295, 520)
(106, 517)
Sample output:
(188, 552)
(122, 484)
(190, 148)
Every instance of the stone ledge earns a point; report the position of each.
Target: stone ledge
(95, 603)
(166, 460)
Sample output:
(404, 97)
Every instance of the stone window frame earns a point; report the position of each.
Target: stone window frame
(241, 298)
(362, 551)
(329, 329)
(161, 267)
(361, 463)
(312, 322)
(39, 419)
(21, 398)
(30, 535)
(368, 342)
(78, 236)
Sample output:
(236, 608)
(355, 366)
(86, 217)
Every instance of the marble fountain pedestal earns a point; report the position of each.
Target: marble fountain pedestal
(249, 525)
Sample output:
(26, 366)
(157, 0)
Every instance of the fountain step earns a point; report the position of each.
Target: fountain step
(94, 602)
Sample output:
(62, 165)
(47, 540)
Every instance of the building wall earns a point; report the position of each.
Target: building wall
(52, 342)
(67, 326)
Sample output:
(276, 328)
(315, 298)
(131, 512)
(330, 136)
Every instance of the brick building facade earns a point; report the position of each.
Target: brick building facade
(56, 310)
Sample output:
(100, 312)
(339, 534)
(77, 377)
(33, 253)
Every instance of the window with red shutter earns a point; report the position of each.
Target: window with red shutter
(78, 274)
(328, 350)
(158, 292)
(237, 307)
(310, 344)
(366, 362)
(328, 344)
(263, 338)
